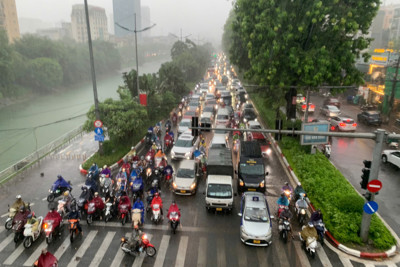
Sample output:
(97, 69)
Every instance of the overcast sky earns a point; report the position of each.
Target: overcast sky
(204, 19)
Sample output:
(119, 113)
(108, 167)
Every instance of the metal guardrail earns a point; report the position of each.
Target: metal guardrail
(38, 155)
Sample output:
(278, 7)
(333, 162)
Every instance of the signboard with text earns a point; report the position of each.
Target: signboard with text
(321, 126)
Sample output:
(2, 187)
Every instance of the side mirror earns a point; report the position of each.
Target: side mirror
(240, 214)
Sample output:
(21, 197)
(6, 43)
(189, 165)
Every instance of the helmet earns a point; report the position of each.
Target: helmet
(66, 193)
(156, 194)
(138, 199)
(18, 197)
(29, 215)
(286, 183)
(136, 227)
(283, 194)
(299, 184)
(310, 224)
(94, 164)
(59, 176)
(96, 194)
(173, 202)
(105, 166)
(156, 171)
(302, 195)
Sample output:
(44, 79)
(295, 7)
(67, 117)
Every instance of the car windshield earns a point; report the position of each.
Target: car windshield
(185, 124)
(185, 173)
(219, 191)
(193, 104)
(249, 112)
(255, 127)
(373, 116)
(205, 120)
(222, 117)
(208, 109)
(183, 143)
(256, 214)
(333, 108)
(190, 113)
(252, 169)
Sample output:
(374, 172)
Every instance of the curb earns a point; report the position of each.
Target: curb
(333, 241)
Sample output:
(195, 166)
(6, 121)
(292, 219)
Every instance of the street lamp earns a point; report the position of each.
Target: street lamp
(136, 48)
(181, 36)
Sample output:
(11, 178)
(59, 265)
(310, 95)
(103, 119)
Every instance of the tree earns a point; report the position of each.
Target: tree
(171, 79)
(44, 74)
(178, 48)
(306, 43)
(6, 66)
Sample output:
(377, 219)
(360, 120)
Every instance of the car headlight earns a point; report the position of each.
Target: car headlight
(187, 154)
(174, 185)
(268, 151)
(193, 186)
(244, 119)
(241, 183)
(255, 119)
(262, 184)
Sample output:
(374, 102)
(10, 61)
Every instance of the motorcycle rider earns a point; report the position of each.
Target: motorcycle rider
(157, 201)
(75, 214)
(174, 208)
(159, 157)
(106, 171)
(286, 214)
(99, 204)
(61, 184)
(139, 205)
(55, 216)
(91, 183)
(95, 169)
(134, 241)
(127, 166)
(287, 187)
(301, 203)
(316, 216)
(308, 231)
(153, 190)
(45, 258)
(32, 220)
(121, 180)
(18, 203)
(68, 199)
(299, 190)
(283, 200)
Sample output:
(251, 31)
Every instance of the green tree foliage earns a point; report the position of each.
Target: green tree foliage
(6, 65)
(283, 43)
(44, 74)
(171, 78)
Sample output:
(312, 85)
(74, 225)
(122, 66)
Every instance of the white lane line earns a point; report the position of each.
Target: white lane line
(221, 258)
(102, 250)
(241, 255)
(202, 253)
(4, 215)
(64, 246)
(35, 255)
(301, 254)
(139, 259)
(5, 242)
(162, 250)
(323, 257)
(118, 258)
(44, 199)
(82, 249)
(345, 261)
(180, 257)
(280, 251)
(10, 260)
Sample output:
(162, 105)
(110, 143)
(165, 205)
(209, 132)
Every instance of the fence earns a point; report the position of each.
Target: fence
(40, 154)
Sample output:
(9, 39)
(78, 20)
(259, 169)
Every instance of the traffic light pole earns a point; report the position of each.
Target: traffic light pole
(376, 160)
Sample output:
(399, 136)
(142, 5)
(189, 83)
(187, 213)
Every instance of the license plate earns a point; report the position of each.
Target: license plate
(183, 191)
(219, 209)
(256, 241)
(252, 189)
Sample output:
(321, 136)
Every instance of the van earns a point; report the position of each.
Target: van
(219, 193)
(219, 141)
(222, 117)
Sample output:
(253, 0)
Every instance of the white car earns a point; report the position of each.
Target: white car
(343, 124)
(185, 146)
(184, 125)
(391, 156)
(185, 179)
(221, 131)
(330, 111)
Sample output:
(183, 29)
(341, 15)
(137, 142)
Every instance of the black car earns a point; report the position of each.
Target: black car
(370, 117)
(248, 114)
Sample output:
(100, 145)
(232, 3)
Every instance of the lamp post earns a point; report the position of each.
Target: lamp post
(136, 49)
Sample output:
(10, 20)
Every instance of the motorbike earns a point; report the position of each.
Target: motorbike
(284, 229)
(288, 193)
(156, 213)
(56, 192)
(236, 146)
(320, 227)
(11, 214)
(149, 173)
(123, 210)
(136, 188)
(19, 222)
(326, 149)
(301, 215)
(136, 216)
(73, 229)
(168, 141)
(168, 126)
(149, 138)
(280, 209)
(174, 221)
(150, 156)
(145, 246)
(175, 119)
(106, 186)
(311, 247)
(94, 211)
(84, 199)
(108, 213)
(30, 235)
(168, 175)
(51, 228)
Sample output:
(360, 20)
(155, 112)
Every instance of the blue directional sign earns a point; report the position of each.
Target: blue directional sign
(370, 207)
(99, 137)
(98, 131)
(321, 126)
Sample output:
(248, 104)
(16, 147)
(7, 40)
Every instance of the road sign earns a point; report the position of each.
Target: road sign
(374, 186)
(98, 131)
(99, 138)
(321, 126)
(370, 207)
(98, 123)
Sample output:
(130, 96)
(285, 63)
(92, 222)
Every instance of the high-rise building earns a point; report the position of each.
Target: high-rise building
(97, 19)
(9, 19)
(146, 22)
(124, 15)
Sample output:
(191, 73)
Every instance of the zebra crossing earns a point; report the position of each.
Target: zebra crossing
(99, 246)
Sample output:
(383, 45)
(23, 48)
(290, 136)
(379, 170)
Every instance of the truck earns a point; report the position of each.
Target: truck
(251, 170)
(219, 184)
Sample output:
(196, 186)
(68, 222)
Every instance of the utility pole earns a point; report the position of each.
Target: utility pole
(307, 102)
(375, 165)
(137, 64)
(96, 100)
(392, 95)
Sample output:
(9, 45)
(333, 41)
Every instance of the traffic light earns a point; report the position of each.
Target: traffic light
(365, 174)
(195, 123)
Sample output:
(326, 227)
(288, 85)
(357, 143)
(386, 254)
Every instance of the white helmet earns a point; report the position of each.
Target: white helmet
(18, 197)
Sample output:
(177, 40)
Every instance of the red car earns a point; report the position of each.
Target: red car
(264, 143)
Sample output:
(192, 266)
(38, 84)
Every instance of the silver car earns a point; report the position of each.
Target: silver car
(255, 225)
(330, 111)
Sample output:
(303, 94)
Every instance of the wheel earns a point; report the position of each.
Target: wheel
(384, 159)
(8, 224)
(284, 236)
(89, 219)
(28, 242)
(107, 218)
(72, 236)
(301, 220)
(151, 251)
(49, 238)
(312, 254)
(124, 220)
(50, 198)
(16, 238)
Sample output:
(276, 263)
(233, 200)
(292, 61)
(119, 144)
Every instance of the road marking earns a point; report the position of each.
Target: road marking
(35, 255)
(162, 251)
(180, 258)
(118, 258)
(323, 257)
(301, 254)
(82, 249)
(345, 261)
(221, 258)
(64, 246)
(139, 259)
(4, 215)
(10, 260)
(202, 253)
(283, 259)
(44, 199)
(6, 241)
(102, 250)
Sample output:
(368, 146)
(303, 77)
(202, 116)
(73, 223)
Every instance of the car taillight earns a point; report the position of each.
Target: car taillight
(354, 124)
(332, 128)
(303, 106)
(342, 124)
(312, 106)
